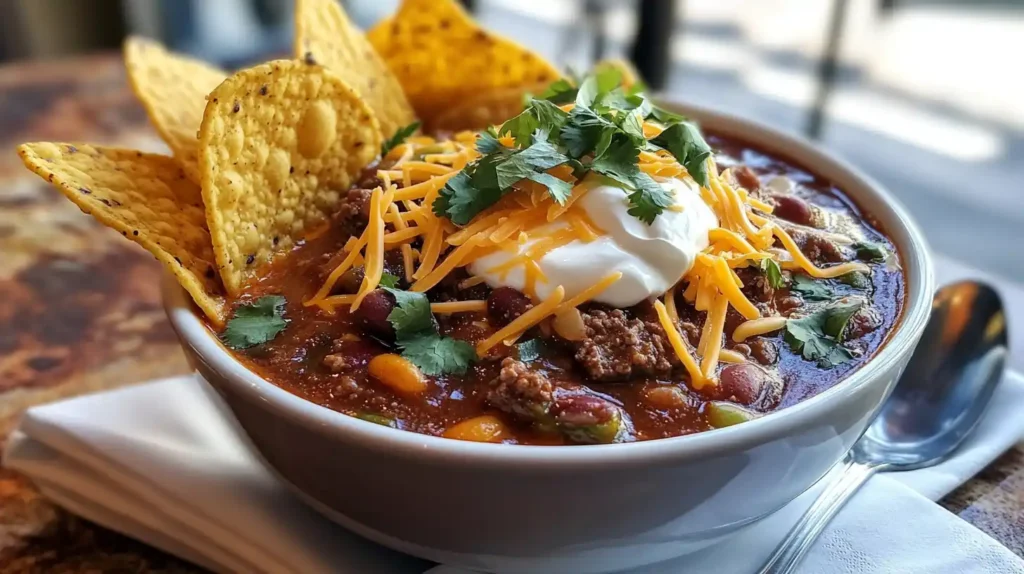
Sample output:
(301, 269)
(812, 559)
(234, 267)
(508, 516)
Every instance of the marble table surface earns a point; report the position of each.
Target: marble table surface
(80, 312)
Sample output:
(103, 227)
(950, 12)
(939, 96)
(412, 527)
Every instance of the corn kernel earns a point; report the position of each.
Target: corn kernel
(398, 373)
(484, 428)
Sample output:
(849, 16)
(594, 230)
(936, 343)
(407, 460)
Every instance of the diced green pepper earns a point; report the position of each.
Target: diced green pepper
(601, 433)
(722, 414)
(378, 419)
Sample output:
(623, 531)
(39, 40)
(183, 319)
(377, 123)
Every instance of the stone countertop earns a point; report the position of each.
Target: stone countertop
(80, 312)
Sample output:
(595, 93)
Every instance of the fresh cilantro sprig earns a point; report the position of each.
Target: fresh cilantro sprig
(819, 336)
(388, 280)
(482, 183)
(255, 323)
(772, 273)
(399, 136)
(603, 133)
(868, 251)
(810, 289)
(416, 335)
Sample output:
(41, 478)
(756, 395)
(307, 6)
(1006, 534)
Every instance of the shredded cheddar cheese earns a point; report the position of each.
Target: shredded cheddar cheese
(757, 327)
(528, 319)
(459, 306)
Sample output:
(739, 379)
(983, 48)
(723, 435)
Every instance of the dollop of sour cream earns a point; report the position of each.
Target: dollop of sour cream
(651, 258)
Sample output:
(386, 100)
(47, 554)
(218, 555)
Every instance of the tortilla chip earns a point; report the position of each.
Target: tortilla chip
(147, 198)
(324, 34)
(443, 58)
(279, 146)
(486, 109)
(173, 90)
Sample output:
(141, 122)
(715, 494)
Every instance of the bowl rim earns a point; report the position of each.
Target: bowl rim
(899, 227)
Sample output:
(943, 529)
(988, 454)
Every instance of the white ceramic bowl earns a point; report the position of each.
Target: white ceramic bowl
(572, 508)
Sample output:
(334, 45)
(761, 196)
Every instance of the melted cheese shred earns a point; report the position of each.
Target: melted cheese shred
(401, 213)
(523, 322)
(756, 327)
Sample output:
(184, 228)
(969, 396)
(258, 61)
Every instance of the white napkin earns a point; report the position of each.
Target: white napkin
(165, 463)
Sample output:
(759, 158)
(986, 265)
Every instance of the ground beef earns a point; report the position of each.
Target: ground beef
(336, 363)
(521, 391)
(755, 284)
(864, 321)
(617, 347)
(690, 332)
(817, 247)
(356, 207)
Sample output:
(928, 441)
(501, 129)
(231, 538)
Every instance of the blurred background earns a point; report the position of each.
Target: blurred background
(926, 96)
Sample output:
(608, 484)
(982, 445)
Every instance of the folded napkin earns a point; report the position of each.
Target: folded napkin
(165, 463)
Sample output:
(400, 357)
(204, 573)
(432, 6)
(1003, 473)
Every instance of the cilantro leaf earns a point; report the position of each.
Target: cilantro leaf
(255, 323)
(550, 117)
(838, 317)
(629, 123)
(521, 165)
(416, 335)
(471, 191)
(810, 289)
(520, 127)
(773, 273)
(487, 142)
(558, 189)
(411, 313)
(560, 92)
(436, 355)
(584, 132)
(597, 85)
(649, 199)
(868, 251)
(665, 117)
(483, 182)
(856, 279)
(684, 141)
(398, 137)
(818, 336)
(619, 162)
(388, 280)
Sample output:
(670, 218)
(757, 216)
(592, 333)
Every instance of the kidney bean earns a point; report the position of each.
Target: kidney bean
(747, 178)
(792, 208)
(505, 304)
(373, 313)
(743, 383)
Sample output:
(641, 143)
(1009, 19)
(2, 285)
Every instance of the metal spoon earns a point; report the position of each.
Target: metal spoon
(938, 400)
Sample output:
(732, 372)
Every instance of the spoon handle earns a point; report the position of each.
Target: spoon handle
(801, 537)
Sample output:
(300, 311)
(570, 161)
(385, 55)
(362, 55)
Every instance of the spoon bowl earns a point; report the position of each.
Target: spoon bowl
(947, 384)
(937, 402)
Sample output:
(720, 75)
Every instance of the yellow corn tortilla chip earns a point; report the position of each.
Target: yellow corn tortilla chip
(172, 89)
(442, 57)
(147, 198)
(279, 146)
(325, 35)
(483, 110)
